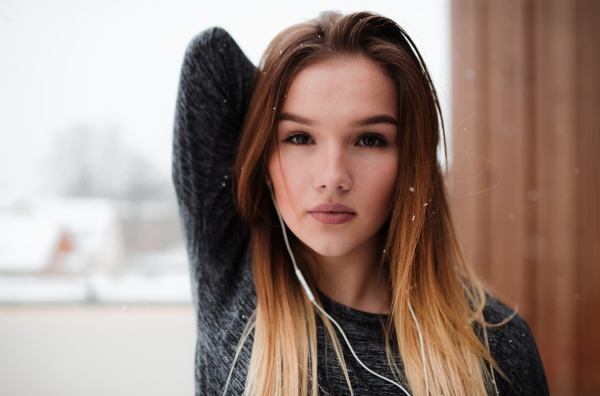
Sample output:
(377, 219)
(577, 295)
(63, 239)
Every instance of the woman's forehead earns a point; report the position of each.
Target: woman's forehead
(351, 90)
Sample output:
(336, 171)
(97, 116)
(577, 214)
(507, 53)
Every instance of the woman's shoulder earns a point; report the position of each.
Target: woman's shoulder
(508, 332)
(496, 311)
(514, 349)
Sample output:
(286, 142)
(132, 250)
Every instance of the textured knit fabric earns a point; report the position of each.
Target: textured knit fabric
(212, 101)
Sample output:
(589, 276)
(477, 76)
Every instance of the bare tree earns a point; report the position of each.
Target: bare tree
(86, 163)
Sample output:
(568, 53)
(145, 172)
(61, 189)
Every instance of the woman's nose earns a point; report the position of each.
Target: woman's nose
(331, 169)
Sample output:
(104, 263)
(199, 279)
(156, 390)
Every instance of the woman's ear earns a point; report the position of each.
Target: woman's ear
(269, 181)
(271, 189)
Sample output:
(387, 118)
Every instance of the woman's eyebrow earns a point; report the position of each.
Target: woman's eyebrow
(378, 119)
(296, 118)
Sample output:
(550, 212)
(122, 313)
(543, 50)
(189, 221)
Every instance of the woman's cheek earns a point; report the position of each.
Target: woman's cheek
(291, 180)
(297, 170)
(380, 182)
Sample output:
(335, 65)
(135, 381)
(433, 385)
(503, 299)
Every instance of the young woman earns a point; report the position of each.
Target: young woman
(323, 257)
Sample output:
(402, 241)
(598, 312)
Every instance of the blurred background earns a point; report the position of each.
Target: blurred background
(94, 284)
(526, 169)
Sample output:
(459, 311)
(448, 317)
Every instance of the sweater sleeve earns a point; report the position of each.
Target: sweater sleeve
(211, 104)
(514, 349)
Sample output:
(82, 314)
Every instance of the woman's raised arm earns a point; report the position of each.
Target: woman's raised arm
(211, 104)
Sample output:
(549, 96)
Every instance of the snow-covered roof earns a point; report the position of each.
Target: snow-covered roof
(30, 230)
(28, 240)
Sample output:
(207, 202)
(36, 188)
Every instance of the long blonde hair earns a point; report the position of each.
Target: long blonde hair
(421, 256)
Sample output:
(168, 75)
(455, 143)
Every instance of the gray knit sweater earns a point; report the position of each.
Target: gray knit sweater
(211, 104)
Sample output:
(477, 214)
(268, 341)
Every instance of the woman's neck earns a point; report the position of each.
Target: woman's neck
(355, 279)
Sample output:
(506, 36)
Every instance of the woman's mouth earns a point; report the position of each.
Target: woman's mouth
(332, 213)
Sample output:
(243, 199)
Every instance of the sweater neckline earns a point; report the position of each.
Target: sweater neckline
(348, 314)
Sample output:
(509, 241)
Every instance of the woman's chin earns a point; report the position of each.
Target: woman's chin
(328, 249)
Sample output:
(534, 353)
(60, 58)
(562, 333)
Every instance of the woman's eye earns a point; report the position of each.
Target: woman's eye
(299, 139)
(371, 141)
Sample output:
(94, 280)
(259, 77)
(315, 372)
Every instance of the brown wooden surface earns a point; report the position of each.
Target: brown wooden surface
(525, 173)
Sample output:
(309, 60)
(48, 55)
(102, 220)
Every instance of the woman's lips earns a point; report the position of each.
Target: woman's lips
(332, 217)
(332, 213)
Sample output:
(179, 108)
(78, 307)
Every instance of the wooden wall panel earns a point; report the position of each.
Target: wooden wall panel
(525, 176)
(587, 188)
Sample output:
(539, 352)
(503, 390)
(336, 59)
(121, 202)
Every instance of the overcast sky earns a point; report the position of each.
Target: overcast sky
(114, 65)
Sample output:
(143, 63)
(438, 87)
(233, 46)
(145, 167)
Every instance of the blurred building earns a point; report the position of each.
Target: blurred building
(60, 236)
(91, 250)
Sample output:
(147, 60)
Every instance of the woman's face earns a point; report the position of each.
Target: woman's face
(338, 155)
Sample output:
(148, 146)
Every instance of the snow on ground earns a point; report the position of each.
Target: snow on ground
(164, 288)
(100, 288)
(42, 289)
